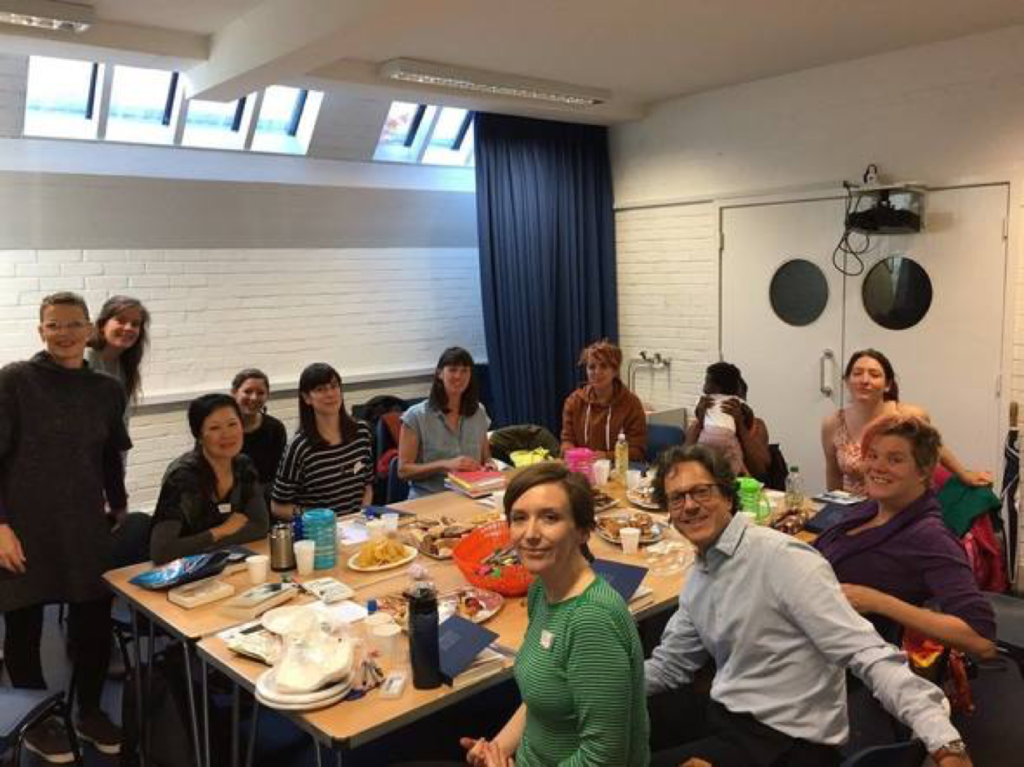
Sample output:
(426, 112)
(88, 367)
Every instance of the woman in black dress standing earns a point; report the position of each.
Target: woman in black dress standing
(61, 438)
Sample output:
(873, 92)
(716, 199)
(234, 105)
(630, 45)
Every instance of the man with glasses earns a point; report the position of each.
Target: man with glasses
(767, 609)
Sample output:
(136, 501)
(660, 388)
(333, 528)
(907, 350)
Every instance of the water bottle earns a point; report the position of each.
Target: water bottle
(424, 653)
(621, 458)
(794, 490)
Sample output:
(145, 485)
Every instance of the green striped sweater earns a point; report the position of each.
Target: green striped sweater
(580, 671)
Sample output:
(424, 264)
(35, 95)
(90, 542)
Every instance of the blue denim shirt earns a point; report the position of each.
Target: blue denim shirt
(437, 442)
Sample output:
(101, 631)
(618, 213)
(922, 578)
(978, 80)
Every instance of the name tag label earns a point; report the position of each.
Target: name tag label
(546, 639)
(224, 508)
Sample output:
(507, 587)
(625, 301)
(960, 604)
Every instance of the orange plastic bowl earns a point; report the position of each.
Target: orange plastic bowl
(512, 580)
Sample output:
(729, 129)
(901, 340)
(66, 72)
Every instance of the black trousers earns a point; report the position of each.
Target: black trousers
(725, 739)
(89, 634)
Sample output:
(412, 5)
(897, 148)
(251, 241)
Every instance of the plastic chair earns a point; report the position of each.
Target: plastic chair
(661, 436)
(21, 709)
(398, 489)
(908, 754)
(1009, 612)
(992, 732)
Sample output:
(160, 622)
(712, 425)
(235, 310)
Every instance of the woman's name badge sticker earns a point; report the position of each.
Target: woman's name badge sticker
(358, 468)
(224, 508)
(546, 639)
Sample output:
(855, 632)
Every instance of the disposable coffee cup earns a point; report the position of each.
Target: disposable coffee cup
(633, 479)
(258, 566)
(390, 521)
(602, 471)
(630, 537)
(385, 640)
(377, 528)
(305, 552)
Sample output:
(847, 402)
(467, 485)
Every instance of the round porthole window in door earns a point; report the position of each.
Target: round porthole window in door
(798, 292)
(897, 293)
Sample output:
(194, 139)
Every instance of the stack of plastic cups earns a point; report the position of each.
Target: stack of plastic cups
(581, 459)
(321, 527)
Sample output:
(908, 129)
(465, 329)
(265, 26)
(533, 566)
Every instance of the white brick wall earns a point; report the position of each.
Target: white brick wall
(370, 312)
(946, 113)
(667, 264)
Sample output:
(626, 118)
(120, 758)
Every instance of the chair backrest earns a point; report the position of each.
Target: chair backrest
(398, 489)
(19, 707)
(661, 436)
(908, 754)
(527, 436)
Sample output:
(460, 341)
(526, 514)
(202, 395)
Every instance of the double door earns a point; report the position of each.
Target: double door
(793, 309)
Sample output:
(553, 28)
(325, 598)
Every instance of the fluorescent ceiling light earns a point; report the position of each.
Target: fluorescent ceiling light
(490, 83)
(46, 14)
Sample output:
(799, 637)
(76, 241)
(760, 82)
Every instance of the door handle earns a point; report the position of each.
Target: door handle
(824, 383)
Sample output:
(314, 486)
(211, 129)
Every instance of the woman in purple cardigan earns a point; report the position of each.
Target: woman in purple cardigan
(894, 554)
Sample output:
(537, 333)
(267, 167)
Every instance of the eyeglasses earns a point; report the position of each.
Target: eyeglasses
(75, 326)
(700, 494)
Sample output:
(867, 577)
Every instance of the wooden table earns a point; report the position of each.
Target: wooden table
(351, 723)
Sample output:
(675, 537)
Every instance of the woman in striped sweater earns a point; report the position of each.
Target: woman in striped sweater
(580, 667)
(329, 462)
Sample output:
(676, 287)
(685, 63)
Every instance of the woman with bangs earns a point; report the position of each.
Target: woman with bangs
(210, 497)
(329, 462)
(446, 432)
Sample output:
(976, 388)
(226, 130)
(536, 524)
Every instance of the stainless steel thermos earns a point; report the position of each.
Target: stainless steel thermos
(282, 553)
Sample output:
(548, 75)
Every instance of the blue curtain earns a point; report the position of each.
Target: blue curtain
(547, 259)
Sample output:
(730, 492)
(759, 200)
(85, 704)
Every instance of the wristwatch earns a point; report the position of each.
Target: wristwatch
(953, 748)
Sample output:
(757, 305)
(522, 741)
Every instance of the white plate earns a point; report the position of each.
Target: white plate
(279, 619)
(638, 500)
(266, 689)
(410, 555)
(300, 706)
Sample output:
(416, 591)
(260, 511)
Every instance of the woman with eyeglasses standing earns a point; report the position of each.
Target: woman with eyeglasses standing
(61, 437)
(329, 462)
(265, 436)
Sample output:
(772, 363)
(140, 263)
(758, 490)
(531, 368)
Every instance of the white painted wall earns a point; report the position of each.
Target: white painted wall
(945, 113)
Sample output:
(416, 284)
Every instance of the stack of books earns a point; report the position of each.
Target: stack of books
(475, 484)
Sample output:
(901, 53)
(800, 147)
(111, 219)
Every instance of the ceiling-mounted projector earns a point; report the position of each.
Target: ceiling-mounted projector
(889, 209)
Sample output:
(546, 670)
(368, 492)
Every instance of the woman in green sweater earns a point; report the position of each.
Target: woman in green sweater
(580, 667)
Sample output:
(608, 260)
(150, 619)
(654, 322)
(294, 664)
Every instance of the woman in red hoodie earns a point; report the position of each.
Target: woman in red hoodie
(595, 413)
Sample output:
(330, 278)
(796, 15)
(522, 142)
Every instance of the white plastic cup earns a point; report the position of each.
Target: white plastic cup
(633, 479)
(257, 565)
(305, 552)
(390, 521)
(377, 528)
(378, 618)
(630, 537)
(386, 641)
(602, 471)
